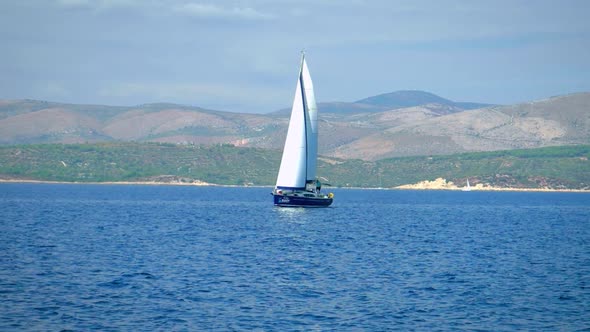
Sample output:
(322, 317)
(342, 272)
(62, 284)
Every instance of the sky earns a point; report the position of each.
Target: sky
(244, 55)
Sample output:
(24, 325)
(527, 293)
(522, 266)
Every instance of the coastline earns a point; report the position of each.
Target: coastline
(443, 184)
(150, 183)
(423, 185)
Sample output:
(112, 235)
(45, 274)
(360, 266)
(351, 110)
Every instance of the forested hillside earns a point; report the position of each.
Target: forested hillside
(553, 167)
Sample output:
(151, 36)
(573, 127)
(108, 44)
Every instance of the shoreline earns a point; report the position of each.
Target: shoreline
(502, 189)
(418, 186)
(443, 184)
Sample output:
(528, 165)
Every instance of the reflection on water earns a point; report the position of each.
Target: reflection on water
(292, 215)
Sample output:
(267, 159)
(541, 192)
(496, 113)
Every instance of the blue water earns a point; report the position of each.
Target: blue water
(166, 258)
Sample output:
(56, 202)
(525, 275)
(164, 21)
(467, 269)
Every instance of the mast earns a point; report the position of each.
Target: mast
(305, 115)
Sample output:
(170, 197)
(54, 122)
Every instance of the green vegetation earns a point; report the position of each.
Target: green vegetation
(222, 164)
(563, 167)
(552, 167)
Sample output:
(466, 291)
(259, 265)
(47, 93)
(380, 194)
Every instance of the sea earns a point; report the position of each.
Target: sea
(80, 257)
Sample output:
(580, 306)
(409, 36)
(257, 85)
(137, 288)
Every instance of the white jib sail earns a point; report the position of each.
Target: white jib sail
(293, 169)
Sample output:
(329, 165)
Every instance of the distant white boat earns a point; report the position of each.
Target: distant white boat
(297, 184)
(467, 187)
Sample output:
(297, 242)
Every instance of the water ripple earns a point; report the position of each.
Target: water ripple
(139, 258)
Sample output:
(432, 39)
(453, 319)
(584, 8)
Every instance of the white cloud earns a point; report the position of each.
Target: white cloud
(98, 5)
(74, 3)
(193, 9)
(239, 51)
(52, 90)
(209, 95)
(216, 12)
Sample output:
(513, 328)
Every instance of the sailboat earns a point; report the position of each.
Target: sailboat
(297, 184)
(467, 187)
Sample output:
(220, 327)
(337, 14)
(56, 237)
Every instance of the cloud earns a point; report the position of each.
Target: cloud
(52, 90)
(191, 9)
(241, 50)
(74, 3)
(216, 12)
(209, 95)
(97, 5)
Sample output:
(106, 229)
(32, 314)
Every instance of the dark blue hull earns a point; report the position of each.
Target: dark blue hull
(299, 201)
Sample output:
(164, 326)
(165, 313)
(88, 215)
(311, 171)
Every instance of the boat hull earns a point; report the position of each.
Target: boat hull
(300, 201)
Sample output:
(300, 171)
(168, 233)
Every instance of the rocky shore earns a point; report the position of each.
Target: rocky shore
(443, 184)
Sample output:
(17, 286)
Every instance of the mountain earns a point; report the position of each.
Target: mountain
(370, 130)
(560, 120)
(340, 108)
(30, 121)
(410, 98)
(392, 101)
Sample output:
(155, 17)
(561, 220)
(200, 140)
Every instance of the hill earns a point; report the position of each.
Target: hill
(347, 130)
(411, 98)
(32, 122)
(554, 167)
(392, 101)
(426, 130)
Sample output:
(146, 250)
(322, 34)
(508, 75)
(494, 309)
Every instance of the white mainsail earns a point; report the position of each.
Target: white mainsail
(312, 130)
(298, 164)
